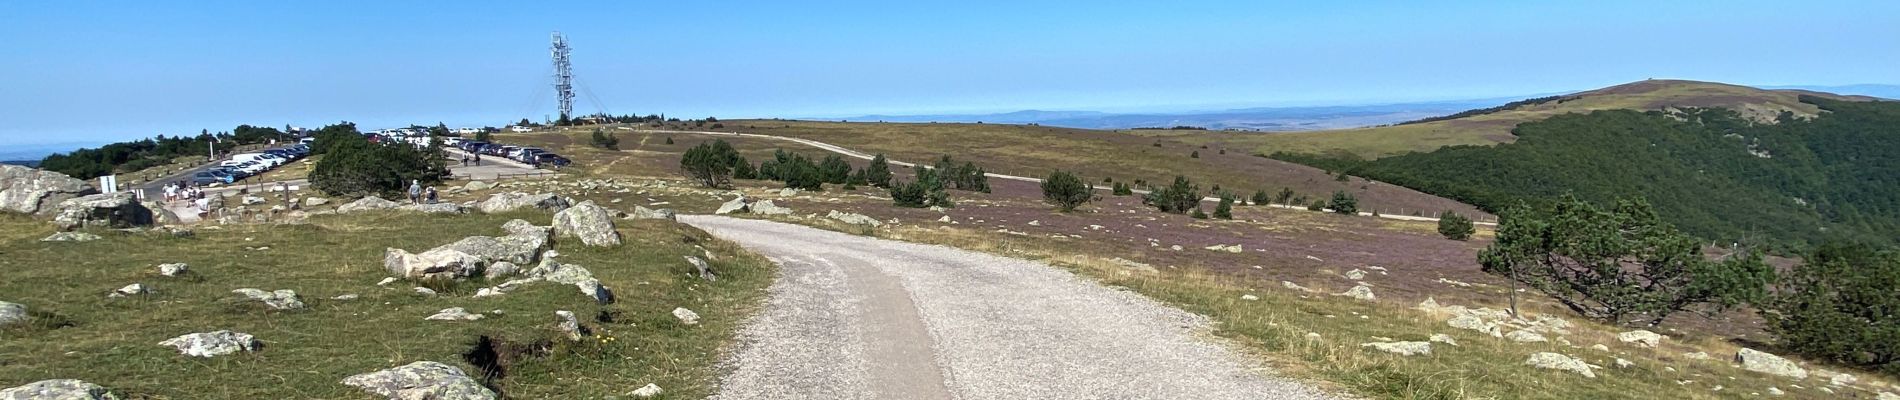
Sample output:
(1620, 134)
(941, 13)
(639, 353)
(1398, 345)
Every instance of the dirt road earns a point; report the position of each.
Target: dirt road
(852, 317)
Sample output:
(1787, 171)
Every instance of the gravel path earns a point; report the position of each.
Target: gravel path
(852, 317)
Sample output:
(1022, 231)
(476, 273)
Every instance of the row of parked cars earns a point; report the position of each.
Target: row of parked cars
(245, 165)
(526, 155)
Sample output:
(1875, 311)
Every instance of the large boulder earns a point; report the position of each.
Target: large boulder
(211, 344)
(504, 202)
(421, 380)
(647, 213)
(1641, 338)
(765, 207)
(57, 389)
(853, 218)
(281, 299)
(736, 205)
(12, 313)
(161, 215)
(1560, 362)
(35, 191)
(109, 210)
(1769, 364)
(367, 204)
(587, 221)
(440, 263)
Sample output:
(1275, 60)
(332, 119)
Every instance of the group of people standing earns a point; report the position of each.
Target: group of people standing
(182, 191)
(420, 195)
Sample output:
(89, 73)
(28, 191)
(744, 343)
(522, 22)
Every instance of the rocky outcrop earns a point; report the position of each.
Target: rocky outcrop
(1401, 348)
(505, 202)
(736, 205)
(71, 237)
(568, 274)
(477, 185)
(440, 263)
(421, 380)
(57, 389)
(1560, 362)
(589, 222)
(765, 207)
(1769, 364)
(161, 215)
(853, 218)
(370, 203)
(648, 213)
(281, 299)
(12, 313)
(1641, 338)
(435, 208)
(211, 344)
(110, 210)
(35, 191)
(315, 201)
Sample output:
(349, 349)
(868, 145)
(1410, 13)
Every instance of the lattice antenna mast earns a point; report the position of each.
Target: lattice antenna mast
(563, 76)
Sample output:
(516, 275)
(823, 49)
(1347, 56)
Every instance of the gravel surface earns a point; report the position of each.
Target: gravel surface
(853, 317)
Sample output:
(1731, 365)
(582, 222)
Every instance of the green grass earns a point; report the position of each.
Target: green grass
(113, 342)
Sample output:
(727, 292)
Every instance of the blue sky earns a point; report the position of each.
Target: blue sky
(89, 72)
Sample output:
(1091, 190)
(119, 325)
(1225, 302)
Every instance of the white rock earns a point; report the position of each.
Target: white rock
(1443, 338)
(1525, 336)
(421, 380)
(57, 389)
(1294, 286)
(1475, 323)
(1600, 347)
(1355, 274)
(172, 269)
(568, 325)
(1249, 297)
(647, 391)
(1641, 338)
(1777, 391)
(425, 291)
(132, 289)
(1622, 363)
(1696, 356)
(453, 314)
(1361, 292)
(1771, 364)
(11, 313)
(1402, 348)
(736, 205)
(209, 344)
(385, 281)
(282, 299)
(1560, 362)
(686, 316)
(945, 218)
(345, 297)
(1841, 380)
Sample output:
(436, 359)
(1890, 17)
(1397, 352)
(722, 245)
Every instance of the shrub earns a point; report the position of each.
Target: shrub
(926, 191)
(1840, 307)
(744, 170)
(1225, 210)
(1260, 197)
(962, 177)
(1318, 205)
(799, 172)
(1194, 154)
(1617, 264)
(1286, 197)
(1066, 191)
(834, 169)
(1343, 203)
(605, 140)
(669, 140)
(353, 166)
(1198, 214)
(1177, 198)
(712, 164)
(878, 173)
(1454, 226)
(1123, 189)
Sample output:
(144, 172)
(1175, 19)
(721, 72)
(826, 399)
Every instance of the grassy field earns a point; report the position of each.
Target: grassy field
(1486, 129)
(79, 333)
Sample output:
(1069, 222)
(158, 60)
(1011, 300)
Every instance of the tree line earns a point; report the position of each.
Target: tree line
(130, 156)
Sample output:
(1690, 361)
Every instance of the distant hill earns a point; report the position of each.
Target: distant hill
(1494, 126)
(1891, 92)
(28, 163)
(1250, 119)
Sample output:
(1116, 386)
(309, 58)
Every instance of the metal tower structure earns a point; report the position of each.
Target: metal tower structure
(563, 76)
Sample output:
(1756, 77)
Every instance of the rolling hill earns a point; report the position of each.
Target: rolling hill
(1492, 126)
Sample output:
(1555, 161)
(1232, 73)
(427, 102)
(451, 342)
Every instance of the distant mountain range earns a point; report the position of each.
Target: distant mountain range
(1252, 119)
(1890, 92)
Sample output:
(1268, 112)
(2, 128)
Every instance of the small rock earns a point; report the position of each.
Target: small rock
(1777, 391)
(1294, 286)
(132, 289)
(1641, 338)
(172, 269)
(1560, 362)
(1600, 347)
(282, 299)
(1312, 336)
(944, 219)
(57, 389)
(1696, 356)
(1771, 364)
(1355, 274)
(1525, 336)
(1622, 363)
(705, 271)
(647, 391)
(421, 380)
(765, 207)
(854, 218)
(453, 314)
(1841, 380)
(71, 237)
(425, 291)
(686, 316)
(736, 205)
(568, 325)
(386, 281)
(1249, 297)
(11, 313)
(345, 297)
(1361, 292)
(210, 344)
(1443, 338)
(1402, 348)
(1887, 396)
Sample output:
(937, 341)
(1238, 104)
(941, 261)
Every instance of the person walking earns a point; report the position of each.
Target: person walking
(431, 195)
(415, 191)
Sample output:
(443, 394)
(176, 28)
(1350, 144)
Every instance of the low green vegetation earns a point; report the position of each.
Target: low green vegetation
(605, 140)
(146, 153)
(1840, 307)
(1343, 203)
(1225, 210)
(1179, 197)
(797, 171)
(714, 164)
(353, 166)
(1066, 191)
(1455, 227)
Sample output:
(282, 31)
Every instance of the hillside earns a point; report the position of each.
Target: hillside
(1487, 128)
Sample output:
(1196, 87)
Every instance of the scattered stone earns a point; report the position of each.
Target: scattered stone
(944, 219)
(1443, 338)
(1600, 347)
(425, 291)
(1402, 348)
(500, 270)
(439, 263)
(647, 391)
(435, 208)
(1641, 338)
(568, 325)
(57, 389)
(1887, 396)
(211, 344)
(1294, 286)
(345, 297)
(705, 271)
(1035, 223)
(477, 185)
(686, 316)
(315, 201)
(71, 237)
(648, 213)
(453, 314)
(1361, 292)
(504, 202)
(1475, 323)
(853, 218)
(1696, 356)
(1429, 305)
(765, 207)
(488, 291)
(282, 299)
(1842, 380)
(1355, 274)
(109, 210)
(1560, 362)
(1622, 363)
(132, 289)
(1312, 336)
(386, 281)
(1249, 297)
(421, 380)
(370, 203)
(1777, 391)
(1525, 336)
(1771, 364)
(172, 269)
(736, 205)
(11, 313)
(252, 200)
(589, 222)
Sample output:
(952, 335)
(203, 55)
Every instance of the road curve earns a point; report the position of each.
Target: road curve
(863, 156)
(852, 317)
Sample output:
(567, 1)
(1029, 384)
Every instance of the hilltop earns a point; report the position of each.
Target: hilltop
(1494, 125)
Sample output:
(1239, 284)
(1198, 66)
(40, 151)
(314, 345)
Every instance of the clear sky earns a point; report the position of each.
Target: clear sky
(89, 72)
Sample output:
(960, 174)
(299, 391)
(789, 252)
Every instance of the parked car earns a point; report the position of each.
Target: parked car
(522, 154)
(211, 177)
(551, 159)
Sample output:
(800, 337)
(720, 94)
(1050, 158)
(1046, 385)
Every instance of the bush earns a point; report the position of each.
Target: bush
(1286, 197)
(1318, 205)
(1198, 214)
(669, 140)
(1617, 264)
(744, 170)
(799, 172)
(1840, 307)
(1343, 203)
(962, 177)
(1177, 198)
(1454, 226)
(1225, 210)
(605, 140)
(1260, 197)
(1066, 191)
(712, 164)
(926, 191)
(1123, 189)
(834, 169)
(1194, 154)
(355, 167)
(878, 173)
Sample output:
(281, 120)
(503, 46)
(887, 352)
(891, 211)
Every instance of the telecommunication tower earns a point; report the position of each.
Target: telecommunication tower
(563, 76)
